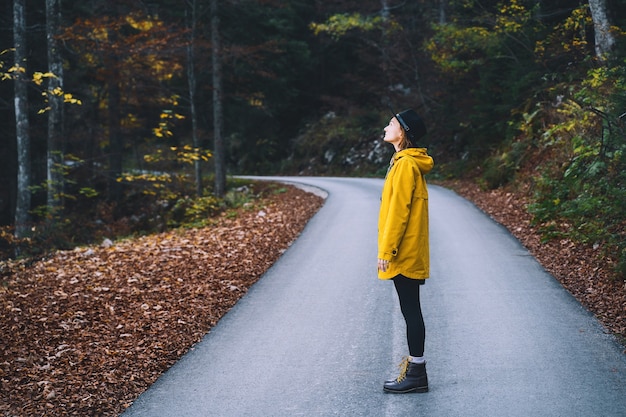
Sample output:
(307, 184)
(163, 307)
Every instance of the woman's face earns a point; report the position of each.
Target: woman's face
(393, 132)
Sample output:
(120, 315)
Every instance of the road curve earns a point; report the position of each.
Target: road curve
(319, 333)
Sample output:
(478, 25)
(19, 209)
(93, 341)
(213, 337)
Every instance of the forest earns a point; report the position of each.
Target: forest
(125, 125)
(124, 117)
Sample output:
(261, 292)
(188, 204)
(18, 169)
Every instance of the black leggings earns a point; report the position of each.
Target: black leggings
(409, 296)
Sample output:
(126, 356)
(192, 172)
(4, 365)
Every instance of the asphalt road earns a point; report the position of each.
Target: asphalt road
(319, 333)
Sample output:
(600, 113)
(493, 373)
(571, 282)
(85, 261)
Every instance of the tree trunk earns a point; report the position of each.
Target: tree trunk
(442, 12)
(218, 157)
(112, 63)
(384, 11)
(384, 48)
(55, 114)
(191, 78)
(604, 39)
(22, 126)
(115, 135)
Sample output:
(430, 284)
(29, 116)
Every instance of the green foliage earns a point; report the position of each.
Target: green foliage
(338, 25)
(136, 214)
(500, 168)
(193, 212)
(587, 190)
(458, 50)
(200, 211)
(505, 34)
(88, 192)
(486, 59)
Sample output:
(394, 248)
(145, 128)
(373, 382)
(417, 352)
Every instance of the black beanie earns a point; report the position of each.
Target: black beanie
(412, 124)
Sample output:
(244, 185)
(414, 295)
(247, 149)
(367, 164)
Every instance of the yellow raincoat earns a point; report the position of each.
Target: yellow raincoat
(403, 217)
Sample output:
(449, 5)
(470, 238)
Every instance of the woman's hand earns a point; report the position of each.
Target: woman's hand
(383, 265)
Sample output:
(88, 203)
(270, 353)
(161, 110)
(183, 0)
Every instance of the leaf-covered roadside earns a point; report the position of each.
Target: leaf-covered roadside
(84, 332)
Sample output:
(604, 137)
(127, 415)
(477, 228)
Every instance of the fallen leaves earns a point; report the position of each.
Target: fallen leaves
(84, 332)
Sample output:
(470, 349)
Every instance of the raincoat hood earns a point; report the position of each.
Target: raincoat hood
(420, 156)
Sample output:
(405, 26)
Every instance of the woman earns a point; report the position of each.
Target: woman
(403, 250)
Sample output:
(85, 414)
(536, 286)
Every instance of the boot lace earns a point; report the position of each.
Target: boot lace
(404, 366)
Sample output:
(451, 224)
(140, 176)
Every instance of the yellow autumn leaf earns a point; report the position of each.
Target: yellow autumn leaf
(100, 34)
(143, 25)
(17, 68)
